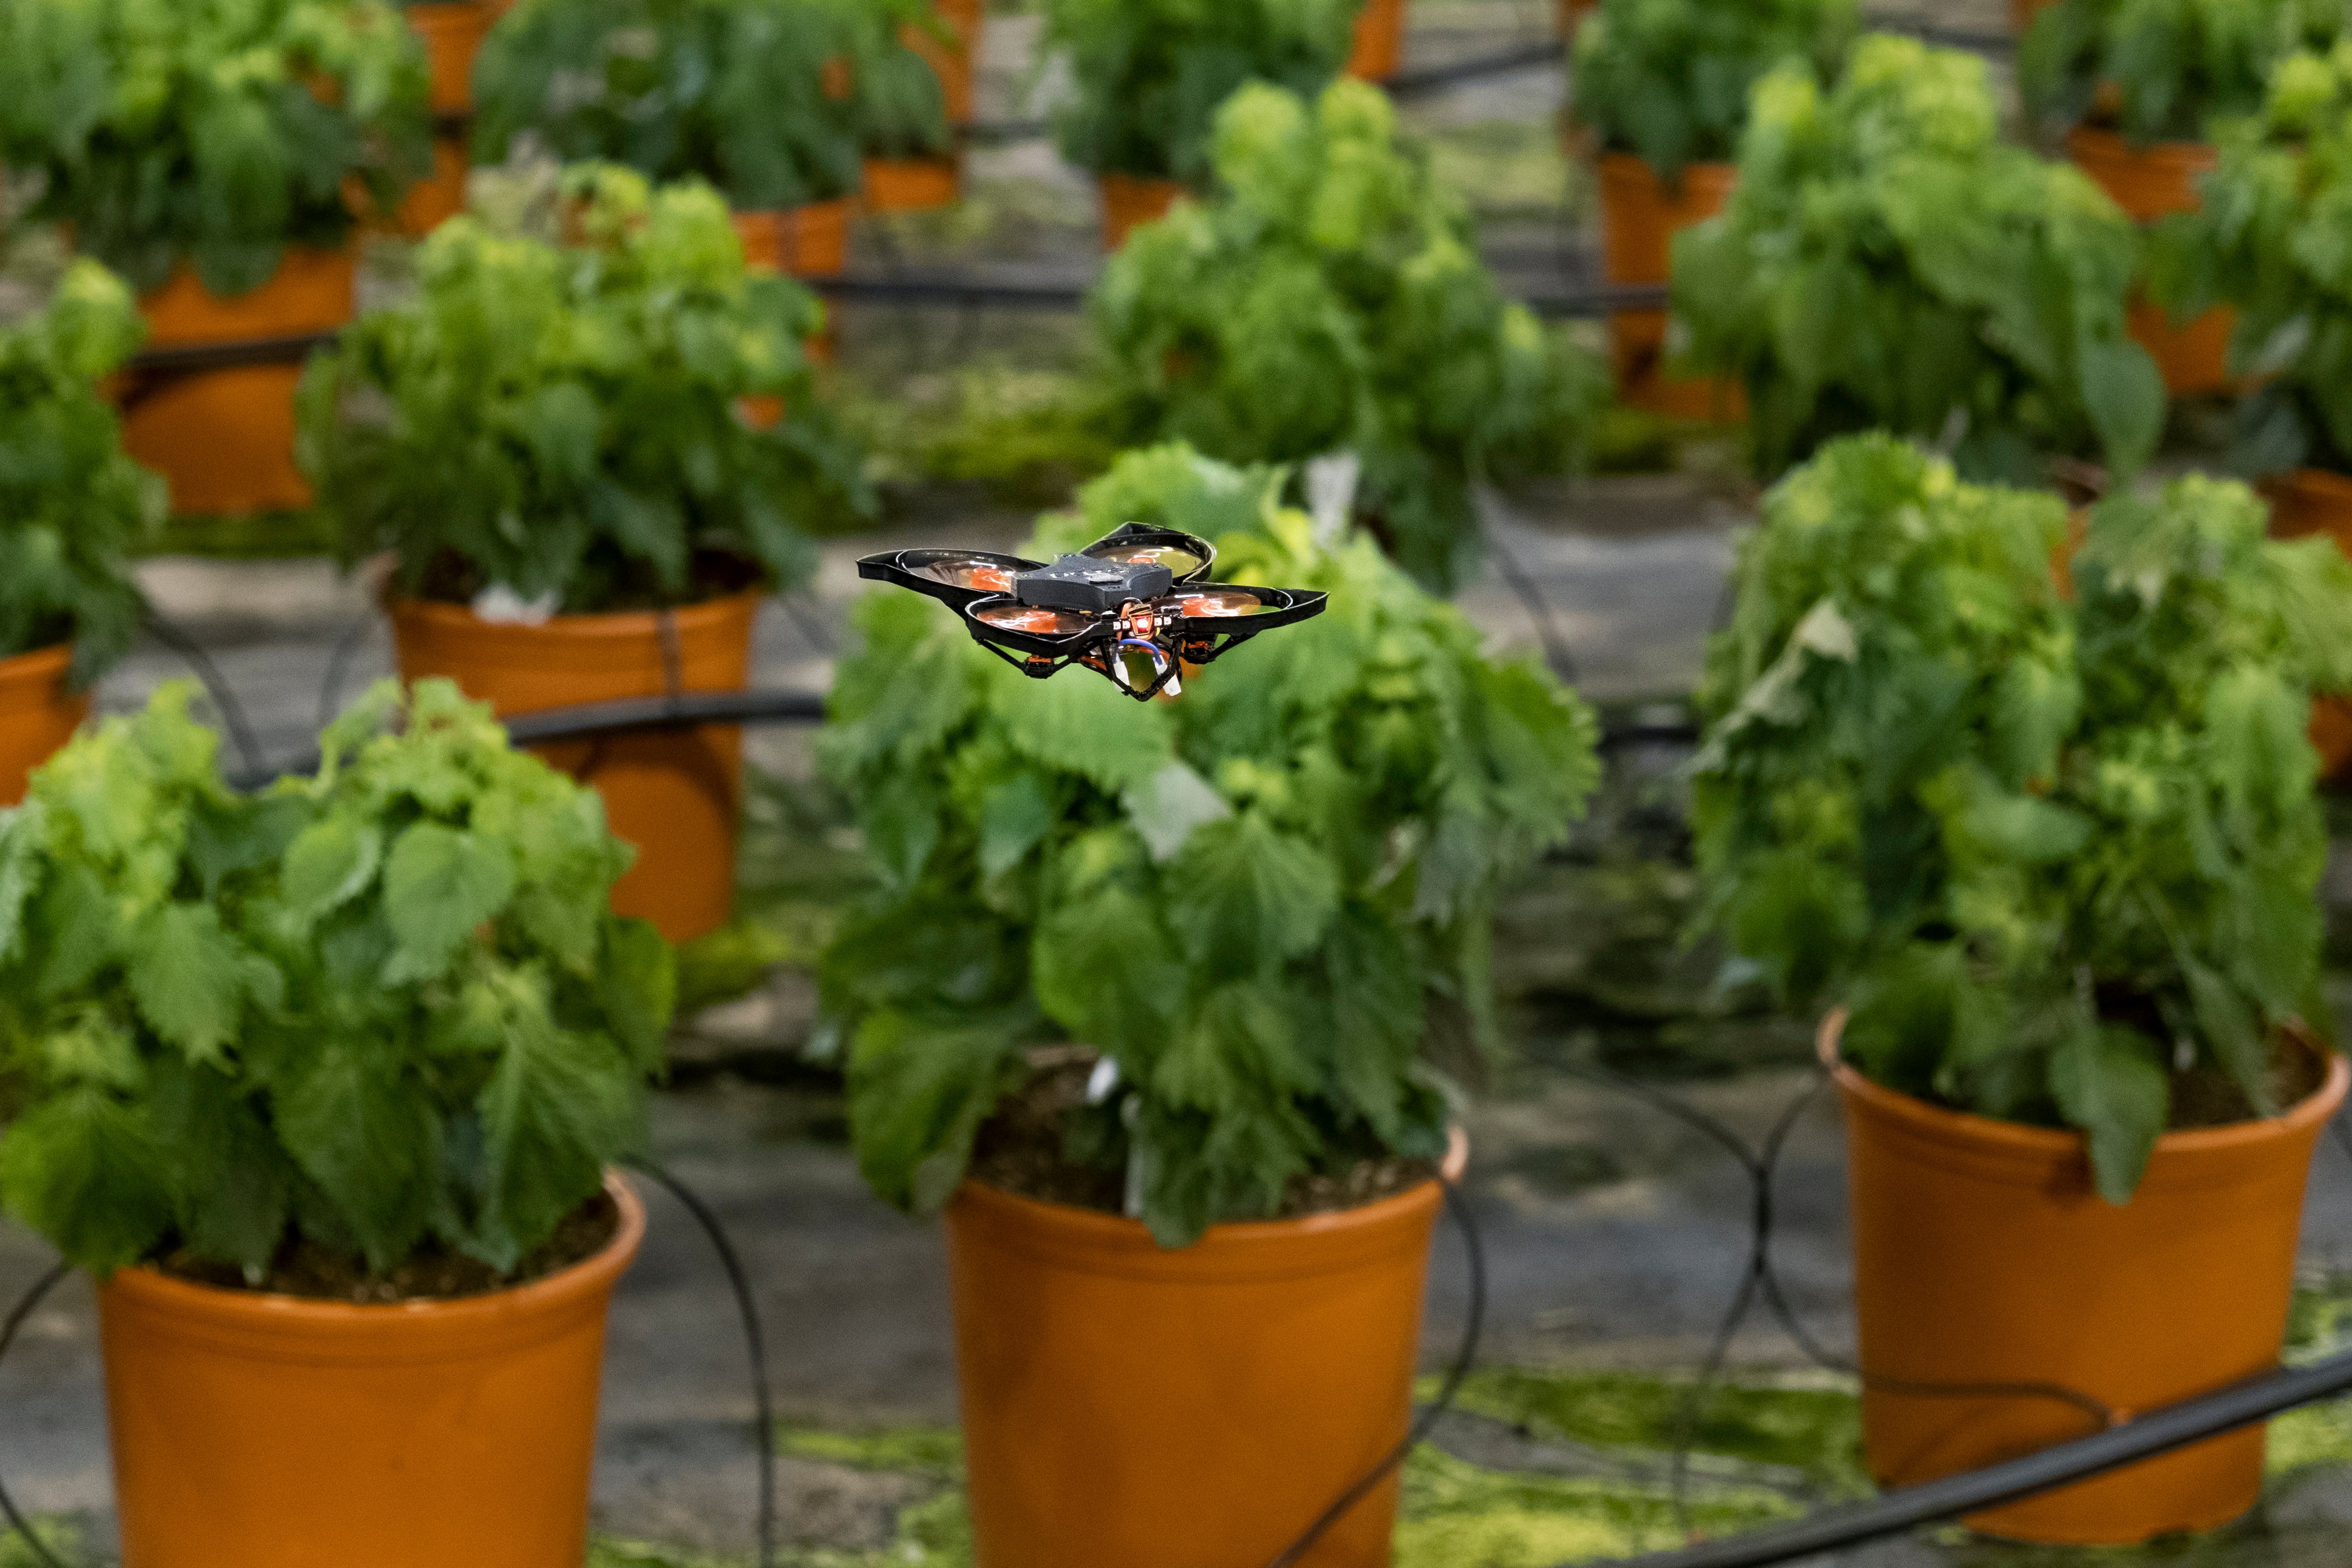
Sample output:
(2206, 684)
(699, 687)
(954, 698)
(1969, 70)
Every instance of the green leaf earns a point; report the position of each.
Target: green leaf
(78, 918)
(1167, 807)
(190, 977)
(1015, 816)
(1246, 895)
(2124, 393)
(1103, 971)
(441, 884)
(234, 1183)
(1086, 727)
(918, 1092)
(83, 1169)
(2108, 1081)
(553, 1112)
(362, 1128)
(636, 985)
(329, 864)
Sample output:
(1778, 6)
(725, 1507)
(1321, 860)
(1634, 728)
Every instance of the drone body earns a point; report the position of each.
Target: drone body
(1135, 606)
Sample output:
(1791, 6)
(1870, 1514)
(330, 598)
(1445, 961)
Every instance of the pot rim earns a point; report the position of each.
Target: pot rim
(1092, 1225)
(37, 665)
(2104, 142)
(2314, 1109)
(2324, 484)
(218, 1306)
(1706, 170)
(629, 624)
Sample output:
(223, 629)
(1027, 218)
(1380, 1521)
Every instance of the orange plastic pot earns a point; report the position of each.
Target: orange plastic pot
(441, 196)
(1983, 1255)
(1156, 1409)
(2307, 502)
(1639, 220)
(810, 241)
(259, 1431)
(1128, 203)
(913, 184)
(674, 794)
(1378, 48)
(225, 438)
(453, 33)
(2148, 184)
(37, 715)
(953, 62)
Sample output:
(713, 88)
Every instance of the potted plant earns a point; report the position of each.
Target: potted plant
(1149, 76)
(899, 100)
(324, 1086)
(950, 40)
(453, 31)
(752, 96)
(2057, 860)
(212, 155)
(1188, 1255)
(561, 449)
(1888, 263)
(71, 505)
(2135, 89)
(1331, 301)
(2275, 196)
(1663, 91)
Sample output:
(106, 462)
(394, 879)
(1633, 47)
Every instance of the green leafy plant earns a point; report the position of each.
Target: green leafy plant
(1331, 298)
(1254, 901)
(895, 100)
(214, 132)
(1888, 263)
(72, 504)
(2269, 240)
(2060, 857)
(569, 422)
(2163, 71)
(1667, 81)
(380, 1008)
(1151, 74)
(731, 91)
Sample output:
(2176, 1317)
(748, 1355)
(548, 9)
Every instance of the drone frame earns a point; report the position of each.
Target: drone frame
(1156, 627)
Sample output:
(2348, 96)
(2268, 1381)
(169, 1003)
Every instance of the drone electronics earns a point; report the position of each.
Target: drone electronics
(1137, 607)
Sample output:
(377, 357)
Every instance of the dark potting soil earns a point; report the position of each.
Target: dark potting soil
(1020, 1149)
(432, 1273)
(2208, 1097)
(611, 588)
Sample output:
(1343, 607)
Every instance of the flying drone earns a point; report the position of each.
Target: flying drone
(1135, 606)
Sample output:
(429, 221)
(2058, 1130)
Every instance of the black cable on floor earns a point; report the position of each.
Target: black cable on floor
(1459, 1207)
(24, 1310)
(339, 666)
(1538, 609)
(755, 1345)
(224, 696)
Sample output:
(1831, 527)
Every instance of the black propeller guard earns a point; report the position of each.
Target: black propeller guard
(1139, 594)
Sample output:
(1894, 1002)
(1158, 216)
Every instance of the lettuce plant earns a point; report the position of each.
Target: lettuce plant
(1251, 900)
(730, 91)
(1669, 82)
(71, 502)
(567, 423)
(213, 132)
(1149, 74)
(2163, 71)
(1888, 262)
(2271, 241)
(384, 1006)
(2059, 857)
(1330, 298)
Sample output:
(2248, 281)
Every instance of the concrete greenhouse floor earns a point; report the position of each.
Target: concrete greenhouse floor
(1615, 1234)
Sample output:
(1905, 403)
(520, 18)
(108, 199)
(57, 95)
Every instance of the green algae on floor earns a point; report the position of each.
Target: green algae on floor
(1456, 1515)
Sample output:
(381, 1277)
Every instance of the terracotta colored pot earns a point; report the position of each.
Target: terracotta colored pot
(37, 715)
(810, 241)
(1983, 1254)
(954, 63)
(675, 794)
(453, 34)
(2148, 184)
(434, 200)
(1129, 203)
(913, 184)
(2305, 501)
(1156, 1409)
(1380, 41)
(225, 438)
(1639, 220)
(257, 1431)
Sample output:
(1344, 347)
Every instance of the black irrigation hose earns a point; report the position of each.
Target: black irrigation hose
(1459, 1207)
(224, 695)
(24, 1310)
(755, 1345)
